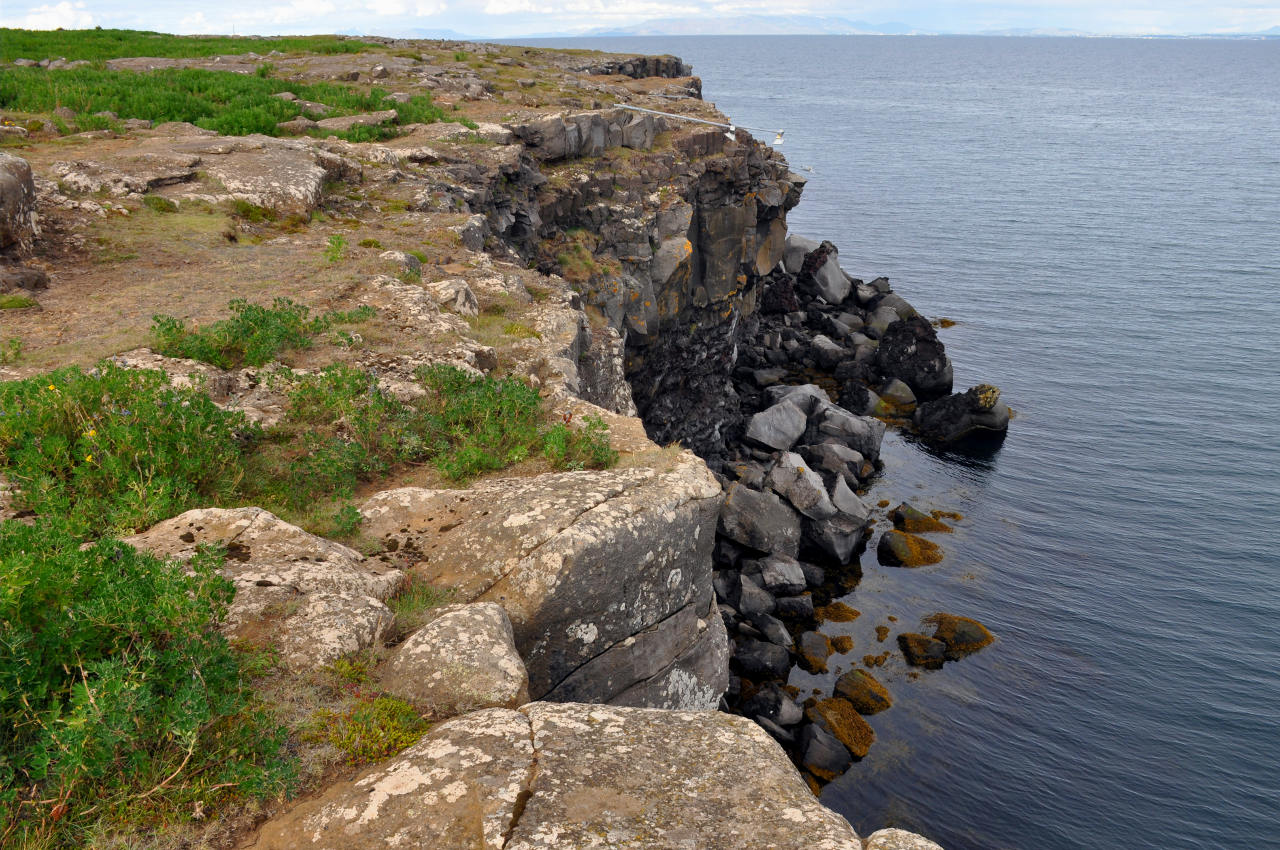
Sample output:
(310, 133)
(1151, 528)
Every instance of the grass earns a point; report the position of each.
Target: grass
(335, 248)
(253, 336)
(101, 44)
(232, 104)
(119, 700)
(10, 351)
(413, 602)
(374, 728)
(16, 302)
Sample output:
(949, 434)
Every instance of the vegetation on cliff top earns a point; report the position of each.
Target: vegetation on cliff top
(102, 44)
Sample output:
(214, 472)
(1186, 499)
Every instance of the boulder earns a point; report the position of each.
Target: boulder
(864, 693)
(896, 397)
(836, 715)
(974, 415)
(826, 353)
(773, 630)
(344, 123)
(813, 648)
(760, 659)
(311, 598)
(898, 839)
(835, 460)
(900, 549)
(17, 203)
(453, 294)
(777, 427)
(23, 277)
(464, 659)
(922, 651)
(962, 635)
(782, 575)
(299, 126)
(773, 703)
(911, 351)
(848, 502)
(285, 175)
(795, 607)
(860, 433)
(807, 397)
(760, 521)
(909, 519)
(821, 272)
(752, 600)
(583, 562)
(796, 249)
(822, 754)
(792, 478)
(839, 537)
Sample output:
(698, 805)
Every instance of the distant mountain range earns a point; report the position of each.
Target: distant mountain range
(754, 25)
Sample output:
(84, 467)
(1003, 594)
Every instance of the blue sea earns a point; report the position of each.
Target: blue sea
(1101, 218)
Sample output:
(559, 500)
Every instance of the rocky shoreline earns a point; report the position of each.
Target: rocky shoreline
(650, 268)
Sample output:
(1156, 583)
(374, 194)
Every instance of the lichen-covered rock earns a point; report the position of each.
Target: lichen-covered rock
(17, 203)
(962, 635)
(311, 598)
(582, 562)
(463, 660)
(460, 786)
(610, 777)
(898, 839)
(899, 549)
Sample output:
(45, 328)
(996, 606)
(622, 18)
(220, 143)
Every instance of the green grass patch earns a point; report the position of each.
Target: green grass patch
(374, 728)
(101, 44)
(119, 700)
(413, 602)
(16, 302)
(232, 104)
(254, 334)
(159, 203)
(10, 351)
(116, 449)
(335, 248)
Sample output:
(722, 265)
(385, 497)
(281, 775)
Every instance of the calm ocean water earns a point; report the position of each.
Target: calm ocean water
(1102, 219)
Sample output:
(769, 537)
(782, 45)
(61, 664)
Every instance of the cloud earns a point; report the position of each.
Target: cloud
(418, 8)
(51, 17)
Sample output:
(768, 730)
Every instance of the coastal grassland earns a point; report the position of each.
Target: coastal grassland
(102, 44)
(229, 103)
(121, 706)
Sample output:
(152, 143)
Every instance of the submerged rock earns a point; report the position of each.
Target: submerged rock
(838, 717)
(864, 693)
(907, 518)
(922, 650)
(899, 549)
(962, 635)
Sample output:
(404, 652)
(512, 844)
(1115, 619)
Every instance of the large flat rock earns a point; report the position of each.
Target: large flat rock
(583, 562)
(567, 775)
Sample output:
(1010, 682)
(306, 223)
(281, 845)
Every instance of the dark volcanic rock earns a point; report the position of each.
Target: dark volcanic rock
(975, 414)
(792, 478)
(911, 351)
(922, 650)
(822, 754)
(772, 702)
(759, 659)
(839, 537)
(777, 427)
(760, 521)
(814, 648)
(782, 575)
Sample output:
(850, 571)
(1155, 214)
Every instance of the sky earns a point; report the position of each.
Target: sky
(515, 18)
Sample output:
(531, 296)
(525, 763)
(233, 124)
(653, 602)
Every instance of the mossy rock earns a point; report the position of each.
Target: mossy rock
(922, 650)
(900, 549)
(839, 717)
(813, 648)
(864, 693)
(842, 644)
(908, 519)
(962, 635)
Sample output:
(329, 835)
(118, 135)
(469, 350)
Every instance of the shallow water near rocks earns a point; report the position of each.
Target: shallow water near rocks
(1099, 216)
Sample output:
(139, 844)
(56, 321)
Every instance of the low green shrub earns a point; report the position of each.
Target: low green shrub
(97, 44)
(117, 449)
(335, 248)
(374, 728)
(10, 351)
(118, 697)
(159, 203)
(10, 301)
(253, 335)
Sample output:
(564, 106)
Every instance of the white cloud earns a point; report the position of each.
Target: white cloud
(420, 8)
(51, 17)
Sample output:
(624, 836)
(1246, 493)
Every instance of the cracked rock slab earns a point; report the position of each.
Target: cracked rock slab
(581, 561)
(463, 660)
(315, 600)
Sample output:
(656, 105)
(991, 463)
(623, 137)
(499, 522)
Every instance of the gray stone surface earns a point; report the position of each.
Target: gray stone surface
(17, 203)
(346, 122)
(564, 776)
(464, 659)
(760, 520)
(797, 248)
(860, 433)
(807, 397)
(782, 575)
(581, 561)
(777, 427)
(898, 839)
(792, 478)
(311, 598)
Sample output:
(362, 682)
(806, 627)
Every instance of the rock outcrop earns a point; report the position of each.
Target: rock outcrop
(18, 225)
(573, 776)
(312, 599)
(976, 414)
(606, 576)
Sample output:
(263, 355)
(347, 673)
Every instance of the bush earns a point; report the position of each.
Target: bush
(116, 449)
(252, 336)
(117, 694)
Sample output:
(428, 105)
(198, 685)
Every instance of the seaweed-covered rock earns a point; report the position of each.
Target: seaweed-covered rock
(962, 635)
(907, 518)
(899, 549)
(864, 693)
(822, 754)
(838, 717)
(922, 650)
(975, 414)
(814, 648)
